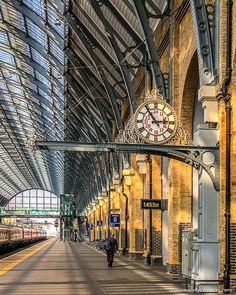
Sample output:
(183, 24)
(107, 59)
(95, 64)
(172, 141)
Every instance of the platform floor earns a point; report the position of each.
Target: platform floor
(54, 267)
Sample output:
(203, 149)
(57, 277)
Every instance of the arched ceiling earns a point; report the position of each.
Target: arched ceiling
(67, 68)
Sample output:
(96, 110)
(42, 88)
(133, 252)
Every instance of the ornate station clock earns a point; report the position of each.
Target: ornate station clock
(155, 121)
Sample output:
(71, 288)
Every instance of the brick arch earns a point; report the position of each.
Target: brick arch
(190, 89)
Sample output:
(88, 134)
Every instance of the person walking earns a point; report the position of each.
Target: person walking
(111, 247)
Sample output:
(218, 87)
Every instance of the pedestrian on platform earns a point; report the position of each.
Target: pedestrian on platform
(111, 247)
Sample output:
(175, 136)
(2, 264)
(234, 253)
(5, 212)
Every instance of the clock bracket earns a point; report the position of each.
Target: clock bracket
(200, 158)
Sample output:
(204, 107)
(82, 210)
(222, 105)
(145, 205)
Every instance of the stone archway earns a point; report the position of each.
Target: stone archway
(179, 174)
(191, 112)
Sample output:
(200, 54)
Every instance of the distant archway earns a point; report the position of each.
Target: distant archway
(34, 201)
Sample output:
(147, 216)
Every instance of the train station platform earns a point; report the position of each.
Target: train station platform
(53, 268)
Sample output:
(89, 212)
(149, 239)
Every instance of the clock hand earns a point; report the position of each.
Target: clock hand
(150, 113)
(162, 121)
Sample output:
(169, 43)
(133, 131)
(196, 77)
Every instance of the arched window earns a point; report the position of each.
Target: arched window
(34, 200)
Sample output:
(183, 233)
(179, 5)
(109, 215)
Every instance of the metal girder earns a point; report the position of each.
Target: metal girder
(103, 115)
(104, 122)
(76, 24)
(81, 66)
(36, 45)
(207, 73)
(108, 88)
(27, 12)
(85, 93)
(158, 14)
(194, 156)
(121, 58)
(88, 111)
(72, 56)
(85, 124)
(36, 214)
(125, 24)
(151, 48)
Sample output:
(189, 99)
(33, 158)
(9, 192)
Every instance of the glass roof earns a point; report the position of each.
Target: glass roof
(31, 95)
(62, 77)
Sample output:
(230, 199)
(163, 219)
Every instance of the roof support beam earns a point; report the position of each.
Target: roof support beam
(121, 58)
(151, 48)
(77, 26)
(106, 84)
(191, 155)
(126, 25)
(104, 119)
(204, 44)
(100, 139)
(79, 64)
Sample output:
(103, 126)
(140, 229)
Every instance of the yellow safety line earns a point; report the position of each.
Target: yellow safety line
(13, 264)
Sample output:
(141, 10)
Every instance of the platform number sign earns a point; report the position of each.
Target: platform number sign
(114, 219)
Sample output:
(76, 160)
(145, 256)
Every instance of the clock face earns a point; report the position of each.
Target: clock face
(155, 121)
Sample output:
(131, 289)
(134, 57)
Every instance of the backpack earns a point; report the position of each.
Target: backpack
(107, 246)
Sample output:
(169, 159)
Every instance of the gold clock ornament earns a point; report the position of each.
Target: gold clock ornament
(155, 121)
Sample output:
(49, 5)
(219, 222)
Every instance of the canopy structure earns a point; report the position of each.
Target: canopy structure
(67, 70)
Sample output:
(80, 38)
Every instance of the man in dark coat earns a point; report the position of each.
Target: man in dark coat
(111, 248)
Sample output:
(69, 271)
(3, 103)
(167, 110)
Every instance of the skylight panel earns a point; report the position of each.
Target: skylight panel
(11, 75)
(25, 67)
(7, 57)
(13, 16)
(19, 45)
(56, 74)
(56, 51)
(3, 87)
(42, 79)
(28, 84)
(57, 91)
(37, 57)
(37, 6)
(36, 33)
(15, 90)
(55, 20)
(47, 97)
(4, 38)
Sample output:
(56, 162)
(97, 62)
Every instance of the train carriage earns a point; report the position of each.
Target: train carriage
(12, 237)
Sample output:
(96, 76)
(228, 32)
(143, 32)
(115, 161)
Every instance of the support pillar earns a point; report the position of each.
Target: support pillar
(206, 246)
(179, 211)
(164, 225)
(134, 181)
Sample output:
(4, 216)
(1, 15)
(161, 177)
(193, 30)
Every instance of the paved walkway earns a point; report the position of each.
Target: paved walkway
(54, 268)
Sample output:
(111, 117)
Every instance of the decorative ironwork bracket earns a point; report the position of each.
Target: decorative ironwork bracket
(206, 158)
(200, 13)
